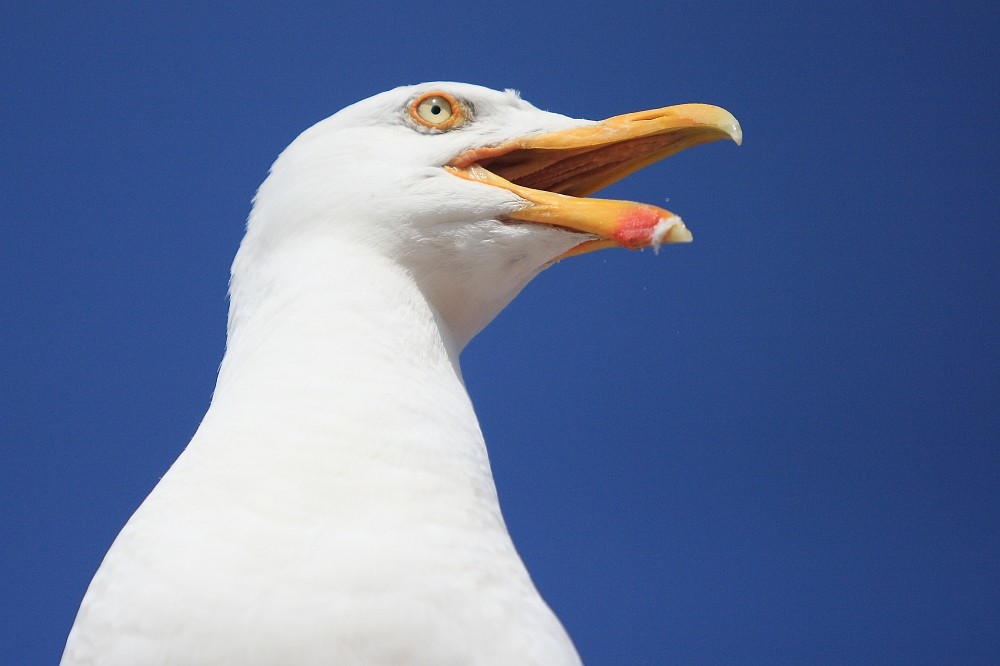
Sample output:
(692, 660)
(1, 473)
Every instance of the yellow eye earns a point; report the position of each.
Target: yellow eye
(436, 110)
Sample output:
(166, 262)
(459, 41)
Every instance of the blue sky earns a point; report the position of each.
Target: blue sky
(776, 445)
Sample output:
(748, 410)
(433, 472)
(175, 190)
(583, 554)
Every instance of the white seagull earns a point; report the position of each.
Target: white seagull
(336, 504)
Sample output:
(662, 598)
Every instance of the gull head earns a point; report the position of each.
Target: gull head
(472, 191)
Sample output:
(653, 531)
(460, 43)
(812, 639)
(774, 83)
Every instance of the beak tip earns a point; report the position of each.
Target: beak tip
(732, 128)
(717, 122)
(679, 233)
(669, 230)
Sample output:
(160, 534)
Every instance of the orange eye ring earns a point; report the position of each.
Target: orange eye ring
(437, 110)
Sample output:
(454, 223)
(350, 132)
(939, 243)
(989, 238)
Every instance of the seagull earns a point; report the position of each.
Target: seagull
(336, 504)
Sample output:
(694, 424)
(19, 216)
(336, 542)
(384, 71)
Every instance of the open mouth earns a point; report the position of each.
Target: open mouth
(554, 172)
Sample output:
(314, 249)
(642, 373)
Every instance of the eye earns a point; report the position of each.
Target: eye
(436, 110)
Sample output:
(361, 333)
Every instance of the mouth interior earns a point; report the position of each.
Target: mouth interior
(576, 171)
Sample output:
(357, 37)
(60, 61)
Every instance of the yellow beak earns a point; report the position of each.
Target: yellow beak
(554, 171)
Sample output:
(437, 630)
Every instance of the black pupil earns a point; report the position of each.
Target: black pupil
(435, 109)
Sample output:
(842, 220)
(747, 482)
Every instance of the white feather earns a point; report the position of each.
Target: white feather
(336, 504)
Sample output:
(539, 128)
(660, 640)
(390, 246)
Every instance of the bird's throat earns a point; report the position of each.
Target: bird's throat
(344, 391)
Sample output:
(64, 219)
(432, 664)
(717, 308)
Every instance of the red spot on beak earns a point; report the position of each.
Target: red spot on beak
(635, 228)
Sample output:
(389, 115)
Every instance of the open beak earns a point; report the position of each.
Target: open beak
(556, 171)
